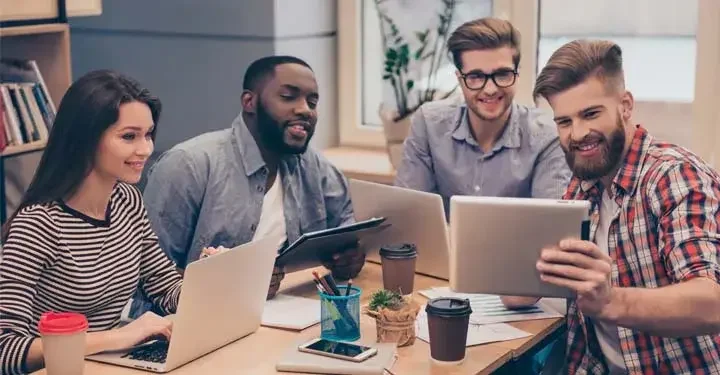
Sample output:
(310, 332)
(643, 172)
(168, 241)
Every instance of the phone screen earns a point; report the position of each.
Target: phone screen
(338, 348)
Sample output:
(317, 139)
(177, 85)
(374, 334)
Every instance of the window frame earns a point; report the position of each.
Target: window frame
(524, 16)
(705, 109)
(352, 133)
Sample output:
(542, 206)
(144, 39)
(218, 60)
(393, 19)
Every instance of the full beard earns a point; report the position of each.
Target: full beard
(611, 151)
(272, 133)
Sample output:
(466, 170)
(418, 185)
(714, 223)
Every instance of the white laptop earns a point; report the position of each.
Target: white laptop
(221, 301)
(496, 242)
(414, 216)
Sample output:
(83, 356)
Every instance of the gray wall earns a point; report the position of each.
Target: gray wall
(192, 54)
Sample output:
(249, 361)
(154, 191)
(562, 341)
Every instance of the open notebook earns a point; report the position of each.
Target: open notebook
(290, 312)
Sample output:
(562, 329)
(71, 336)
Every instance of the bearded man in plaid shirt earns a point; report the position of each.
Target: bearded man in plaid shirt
(648, 285)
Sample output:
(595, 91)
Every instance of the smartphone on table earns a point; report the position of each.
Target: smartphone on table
(338, 349)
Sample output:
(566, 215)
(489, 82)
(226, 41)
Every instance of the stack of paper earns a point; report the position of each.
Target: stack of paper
(488, 308)
(289, 312)
(477, 334)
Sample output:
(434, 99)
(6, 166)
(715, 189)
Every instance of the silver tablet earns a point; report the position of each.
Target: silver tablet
(495, 242)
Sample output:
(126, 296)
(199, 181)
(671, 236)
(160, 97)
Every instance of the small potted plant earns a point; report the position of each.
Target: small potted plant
(394, 317)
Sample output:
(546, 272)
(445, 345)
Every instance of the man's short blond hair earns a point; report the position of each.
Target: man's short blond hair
(481, 34)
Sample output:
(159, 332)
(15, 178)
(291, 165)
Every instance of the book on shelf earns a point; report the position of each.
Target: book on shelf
(26, 109)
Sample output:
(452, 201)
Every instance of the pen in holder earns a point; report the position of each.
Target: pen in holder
(340, 315)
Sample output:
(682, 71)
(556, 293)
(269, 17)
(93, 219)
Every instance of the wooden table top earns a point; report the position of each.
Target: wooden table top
(258, 352)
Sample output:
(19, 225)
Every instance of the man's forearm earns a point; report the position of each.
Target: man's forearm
(691, 308)
(95, 342)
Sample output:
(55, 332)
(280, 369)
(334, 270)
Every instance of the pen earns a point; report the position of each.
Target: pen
(324, 284)
(331, 283)
(319, 287)
(348, 287)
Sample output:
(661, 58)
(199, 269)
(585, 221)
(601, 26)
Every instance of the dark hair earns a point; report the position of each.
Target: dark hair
(88, 108)
(263, 68)
(575, 62)
(481, 34)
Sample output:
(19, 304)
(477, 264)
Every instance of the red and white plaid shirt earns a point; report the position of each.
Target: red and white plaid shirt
(666, 232)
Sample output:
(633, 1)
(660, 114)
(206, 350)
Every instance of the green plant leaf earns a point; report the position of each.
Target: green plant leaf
(387, 77)
(422, 35)
(410, 84)
(385, 299)
(391, 54)
(404, 55)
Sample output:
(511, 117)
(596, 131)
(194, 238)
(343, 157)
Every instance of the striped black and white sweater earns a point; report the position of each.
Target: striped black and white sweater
(57, 259)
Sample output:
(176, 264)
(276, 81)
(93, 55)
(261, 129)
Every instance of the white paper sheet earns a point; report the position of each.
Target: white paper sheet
(477, 334)
(290, 312)
(488, 308)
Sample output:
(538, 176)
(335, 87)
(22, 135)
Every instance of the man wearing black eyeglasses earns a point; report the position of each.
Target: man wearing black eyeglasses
(485, 144)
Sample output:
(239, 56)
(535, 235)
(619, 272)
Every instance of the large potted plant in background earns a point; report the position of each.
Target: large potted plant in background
(405, 63)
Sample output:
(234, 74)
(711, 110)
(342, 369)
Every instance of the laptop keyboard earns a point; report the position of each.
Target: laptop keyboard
(155, 352)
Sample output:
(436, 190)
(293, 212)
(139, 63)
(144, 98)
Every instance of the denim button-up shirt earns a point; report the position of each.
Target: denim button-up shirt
(441, 156)
(208, 191)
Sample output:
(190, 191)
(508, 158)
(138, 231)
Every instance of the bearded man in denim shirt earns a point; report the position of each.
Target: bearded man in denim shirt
(256, 179)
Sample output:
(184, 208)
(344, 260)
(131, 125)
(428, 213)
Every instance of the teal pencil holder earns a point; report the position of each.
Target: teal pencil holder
(340, 315)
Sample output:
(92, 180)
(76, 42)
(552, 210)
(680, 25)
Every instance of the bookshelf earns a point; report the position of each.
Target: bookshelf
(49, 45)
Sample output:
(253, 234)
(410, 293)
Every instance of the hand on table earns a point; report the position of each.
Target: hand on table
(346, 264)
(582, 267)
(278, 274)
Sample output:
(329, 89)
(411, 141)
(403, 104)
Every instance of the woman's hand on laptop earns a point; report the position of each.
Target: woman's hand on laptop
(582, 267)
(147, 327)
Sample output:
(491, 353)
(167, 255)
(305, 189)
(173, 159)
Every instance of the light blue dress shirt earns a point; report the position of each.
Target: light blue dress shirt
(441, 156)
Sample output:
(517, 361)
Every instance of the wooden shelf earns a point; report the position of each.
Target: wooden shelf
(14, 150)
(49, 46)
(34, 29)
(362, 164)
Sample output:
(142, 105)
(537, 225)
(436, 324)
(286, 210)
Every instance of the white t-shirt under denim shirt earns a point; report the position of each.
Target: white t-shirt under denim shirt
(272, 216)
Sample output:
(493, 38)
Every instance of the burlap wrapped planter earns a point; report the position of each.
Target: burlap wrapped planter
(396, 326)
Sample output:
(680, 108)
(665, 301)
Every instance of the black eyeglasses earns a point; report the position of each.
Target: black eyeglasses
(477, 80)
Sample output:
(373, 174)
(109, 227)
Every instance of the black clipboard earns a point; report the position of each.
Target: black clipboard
(308, 250)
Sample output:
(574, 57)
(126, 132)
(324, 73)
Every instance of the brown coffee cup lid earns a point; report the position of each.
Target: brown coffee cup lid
(406, 250)
(448, 307)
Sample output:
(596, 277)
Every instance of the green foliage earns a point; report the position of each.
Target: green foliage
(387, 299)
(401, 59)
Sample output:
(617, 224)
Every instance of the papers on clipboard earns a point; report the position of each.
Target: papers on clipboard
(489, 309)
